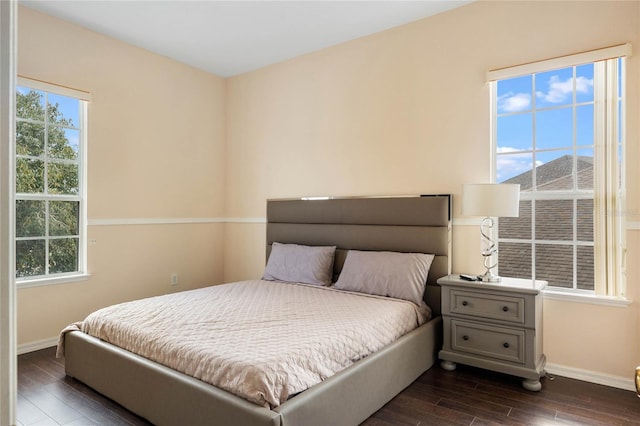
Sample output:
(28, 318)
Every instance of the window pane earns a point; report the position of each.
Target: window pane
(63, 178)
(514, 133)
(63, 218)
(554, 88)
(63, 255)
(554, 263)
(514, 94)
(584, 83)
(620, 166)
(584, 125)
(517, 227)
(620, 116)
(554, 171)
(29, 176)
(514, 260)
(585, 268)
(63, 143)
(554, 220)
(620, 79)
(585, 169)
(63, 110)
(554, 128)
(515, 168)
(30, 218)
(29, 139)
(30, 258)
(584, 217)
(29, 104)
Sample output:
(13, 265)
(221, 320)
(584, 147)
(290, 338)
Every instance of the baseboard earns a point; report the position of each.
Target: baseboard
(592, 376)
(37, 345)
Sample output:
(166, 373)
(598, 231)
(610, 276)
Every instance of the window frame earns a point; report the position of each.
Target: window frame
(609, 266)
(81, 197)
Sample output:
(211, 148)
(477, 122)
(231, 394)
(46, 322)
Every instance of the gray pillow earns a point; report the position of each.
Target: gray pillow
(300, 264)
(385, 273)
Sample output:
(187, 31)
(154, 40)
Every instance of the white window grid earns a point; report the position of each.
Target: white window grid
(575, 193)
(45, 196)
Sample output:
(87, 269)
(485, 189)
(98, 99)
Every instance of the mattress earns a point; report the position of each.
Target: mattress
(261, 340)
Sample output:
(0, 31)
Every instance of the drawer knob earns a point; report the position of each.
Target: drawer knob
(505, 309)
(465, 337)
(464, 303)
(506, 345)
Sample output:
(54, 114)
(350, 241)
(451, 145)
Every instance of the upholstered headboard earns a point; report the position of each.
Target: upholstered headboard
(413, 224)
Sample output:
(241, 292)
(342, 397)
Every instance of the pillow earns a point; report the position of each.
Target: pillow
(385, 273)
(300, 264)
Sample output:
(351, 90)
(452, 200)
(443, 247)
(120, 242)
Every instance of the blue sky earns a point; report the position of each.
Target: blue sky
(543, 105)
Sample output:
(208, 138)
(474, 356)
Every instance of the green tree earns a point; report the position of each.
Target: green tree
(49, 159)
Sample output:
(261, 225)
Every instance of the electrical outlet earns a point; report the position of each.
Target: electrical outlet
(174, 278)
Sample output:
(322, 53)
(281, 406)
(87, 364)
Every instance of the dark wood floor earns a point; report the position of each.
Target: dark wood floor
(467, 396)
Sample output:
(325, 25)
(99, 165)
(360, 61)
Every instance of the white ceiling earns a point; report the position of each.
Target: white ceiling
(232, 37)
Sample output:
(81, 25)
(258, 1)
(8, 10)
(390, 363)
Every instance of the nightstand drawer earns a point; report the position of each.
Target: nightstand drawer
(504, 308)
(488, 341)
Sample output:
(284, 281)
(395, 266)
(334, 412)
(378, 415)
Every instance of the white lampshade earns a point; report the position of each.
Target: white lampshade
(491, 199)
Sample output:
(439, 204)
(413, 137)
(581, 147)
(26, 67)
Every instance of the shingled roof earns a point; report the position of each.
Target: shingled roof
(554, 221)
(556, 174)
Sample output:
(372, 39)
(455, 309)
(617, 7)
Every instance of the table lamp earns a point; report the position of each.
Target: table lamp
(490, 200)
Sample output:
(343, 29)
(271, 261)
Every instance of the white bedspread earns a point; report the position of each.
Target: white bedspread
(260, 340)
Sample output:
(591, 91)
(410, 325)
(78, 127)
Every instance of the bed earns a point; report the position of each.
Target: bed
(420, 224)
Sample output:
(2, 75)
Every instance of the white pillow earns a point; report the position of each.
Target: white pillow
(385, 273)
(300, 264)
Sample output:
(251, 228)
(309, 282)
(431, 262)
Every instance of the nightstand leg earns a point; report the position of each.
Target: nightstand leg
(448, 365)
(532, 385)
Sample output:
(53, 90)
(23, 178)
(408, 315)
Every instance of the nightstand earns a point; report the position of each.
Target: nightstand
(496, 326)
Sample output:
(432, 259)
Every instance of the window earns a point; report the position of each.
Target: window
(50, 182)
(558, 132)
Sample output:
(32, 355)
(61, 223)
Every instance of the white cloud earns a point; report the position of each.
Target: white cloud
(510, 102)
(508, 149)
(584, 85)
(559, 90)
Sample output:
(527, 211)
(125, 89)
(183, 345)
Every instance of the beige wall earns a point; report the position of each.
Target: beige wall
(156, 151)
(406, 111)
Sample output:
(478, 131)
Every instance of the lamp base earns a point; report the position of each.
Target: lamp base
(489, 277)
(488, 252)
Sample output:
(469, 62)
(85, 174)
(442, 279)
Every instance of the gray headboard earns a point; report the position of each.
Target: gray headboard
(418, 224)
